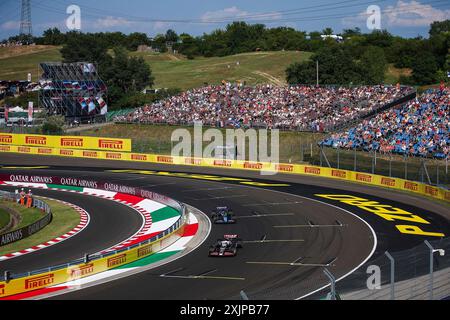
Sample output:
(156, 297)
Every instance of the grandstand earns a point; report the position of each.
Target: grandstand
(73, 90)
(418, 128)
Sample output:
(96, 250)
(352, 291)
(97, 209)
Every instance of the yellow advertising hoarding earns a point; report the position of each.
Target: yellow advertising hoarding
(366, 178)
(69, 142)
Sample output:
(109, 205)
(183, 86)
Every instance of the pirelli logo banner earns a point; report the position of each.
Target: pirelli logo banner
(364, 177)
(39, 281)
(81, 271)
(117, 260)
(6, 138)
(67, 142)
(144, 251)
(284, 167)
(342, 174)
(389, 182)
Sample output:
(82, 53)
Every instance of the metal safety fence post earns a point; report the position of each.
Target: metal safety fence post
(391, 259)
(243, 295)
(432, 251)
(431, 268)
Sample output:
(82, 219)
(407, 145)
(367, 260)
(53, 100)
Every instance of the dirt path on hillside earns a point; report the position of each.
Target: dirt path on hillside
(269, 77)
(173, 57)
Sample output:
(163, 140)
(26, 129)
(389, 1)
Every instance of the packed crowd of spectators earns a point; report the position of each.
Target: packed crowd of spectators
(419, 128)
(306, 108)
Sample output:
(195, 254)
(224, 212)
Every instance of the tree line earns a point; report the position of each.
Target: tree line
(361, 58)
(364, 58)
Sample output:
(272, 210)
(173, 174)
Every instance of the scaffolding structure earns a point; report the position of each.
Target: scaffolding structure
(73, 90)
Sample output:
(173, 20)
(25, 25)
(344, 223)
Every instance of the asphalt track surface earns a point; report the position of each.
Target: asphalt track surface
(343, 247)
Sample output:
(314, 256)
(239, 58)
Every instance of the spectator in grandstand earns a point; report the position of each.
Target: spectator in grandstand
(291, 108)
(419, 128)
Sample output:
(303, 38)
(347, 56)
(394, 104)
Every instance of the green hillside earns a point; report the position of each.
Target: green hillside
(257, 67)
(172, 71)
(16, 63)
(175, 71)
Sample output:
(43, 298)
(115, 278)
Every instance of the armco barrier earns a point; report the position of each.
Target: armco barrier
(78, 269)
(366, 178)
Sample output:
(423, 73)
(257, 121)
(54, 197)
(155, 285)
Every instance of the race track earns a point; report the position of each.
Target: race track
(327, 233)
(117, 222)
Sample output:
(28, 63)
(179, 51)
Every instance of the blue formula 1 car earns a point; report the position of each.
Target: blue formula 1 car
(223, 215)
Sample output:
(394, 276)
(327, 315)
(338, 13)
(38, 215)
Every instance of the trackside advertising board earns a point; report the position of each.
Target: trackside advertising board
(25, 232)
(67, 142)
(93, 184)
(365, 178)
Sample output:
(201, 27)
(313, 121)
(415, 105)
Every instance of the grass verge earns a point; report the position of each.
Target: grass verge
(4, 218)
(65, 219)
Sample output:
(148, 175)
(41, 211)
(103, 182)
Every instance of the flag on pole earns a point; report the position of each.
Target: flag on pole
(91, 106)
(82, 103)
(101, 102)
(103, 106)
(30, 111)
(104, 110)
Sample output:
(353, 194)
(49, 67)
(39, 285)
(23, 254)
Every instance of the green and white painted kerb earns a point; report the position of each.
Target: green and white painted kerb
(190, 230)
